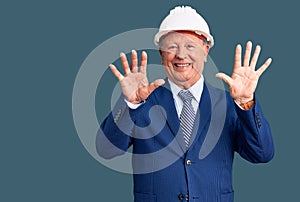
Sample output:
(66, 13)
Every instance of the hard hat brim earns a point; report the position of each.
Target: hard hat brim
(160, 34)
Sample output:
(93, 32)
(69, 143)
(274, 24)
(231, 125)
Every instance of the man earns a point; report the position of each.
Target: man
(183, 131)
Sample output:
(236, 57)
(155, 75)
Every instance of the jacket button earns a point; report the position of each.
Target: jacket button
(189, 162)
(181, 197)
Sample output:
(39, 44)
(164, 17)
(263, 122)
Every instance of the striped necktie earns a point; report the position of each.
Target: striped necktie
(187, 116)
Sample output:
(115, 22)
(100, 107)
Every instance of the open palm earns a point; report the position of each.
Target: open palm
(244, 78)
(134, 82)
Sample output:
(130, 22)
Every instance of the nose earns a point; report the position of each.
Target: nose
(181, 53)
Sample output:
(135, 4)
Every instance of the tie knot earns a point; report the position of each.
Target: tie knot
(185, 95)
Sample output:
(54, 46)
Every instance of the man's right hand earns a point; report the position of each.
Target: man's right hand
(134, 82)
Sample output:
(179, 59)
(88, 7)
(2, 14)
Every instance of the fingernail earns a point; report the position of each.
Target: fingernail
(122, 54)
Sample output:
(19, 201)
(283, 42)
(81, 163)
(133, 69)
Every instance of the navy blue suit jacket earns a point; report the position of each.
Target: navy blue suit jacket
(164, 171)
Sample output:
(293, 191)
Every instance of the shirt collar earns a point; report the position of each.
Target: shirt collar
(196, 89)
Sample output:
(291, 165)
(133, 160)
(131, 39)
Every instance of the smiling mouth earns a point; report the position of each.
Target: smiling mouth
(182, 65)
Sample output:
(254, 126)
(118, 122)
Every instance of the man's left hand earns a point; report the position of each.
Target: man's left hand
(244, 78)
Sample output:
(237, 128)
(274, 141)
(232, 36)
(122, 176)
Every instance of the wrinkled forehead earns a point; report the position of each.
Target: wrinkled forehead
(180, 35)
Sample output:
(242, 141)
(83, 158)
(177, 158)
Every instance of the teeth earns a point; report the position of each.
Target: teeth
(182, 65)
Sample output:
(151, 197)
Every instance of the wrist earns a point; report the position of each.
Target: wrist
(241, 101)
(245, 103)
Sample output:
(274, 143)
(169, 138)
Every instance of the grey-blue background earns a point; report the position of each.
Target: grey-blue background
(43, 44)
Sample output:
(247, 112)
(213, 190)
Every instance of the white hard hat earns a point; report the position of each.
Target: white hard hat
(184, 18)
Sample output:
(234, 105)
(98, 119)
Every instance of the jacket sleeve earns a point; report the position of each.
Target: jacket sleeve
(114, 135)
(254, 139)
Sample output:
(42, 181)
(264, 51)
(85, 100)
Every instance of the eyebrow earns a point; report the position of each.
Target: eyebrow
(172, 42)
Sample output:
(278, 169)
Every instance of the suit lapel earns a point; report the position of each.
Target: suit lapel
(202, 117)
(165, 98)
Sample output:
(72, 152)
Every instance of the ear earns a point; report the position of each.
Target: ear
(160, 52)
(206, 51)
(207, 48)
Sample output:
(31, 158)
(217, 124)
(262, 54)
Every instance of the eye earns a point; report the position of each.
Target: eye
(172, 47)
(190, 46)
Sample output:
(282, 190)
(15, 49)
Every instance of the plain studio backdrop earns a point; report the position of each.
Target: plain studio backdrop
(43, 45)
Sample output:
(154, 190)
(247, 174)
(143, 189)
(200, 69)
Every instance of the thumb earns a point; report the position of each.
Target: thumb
(158, 82)
(144, 92)
(155, 84)
(227, 79)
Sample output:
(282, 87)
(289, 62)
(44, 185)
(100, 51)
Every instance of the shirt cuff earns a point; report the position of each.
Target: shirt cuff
(131, 105)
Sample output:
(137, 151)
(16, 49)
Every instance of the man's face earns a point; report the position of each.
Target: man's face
(183, 55)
